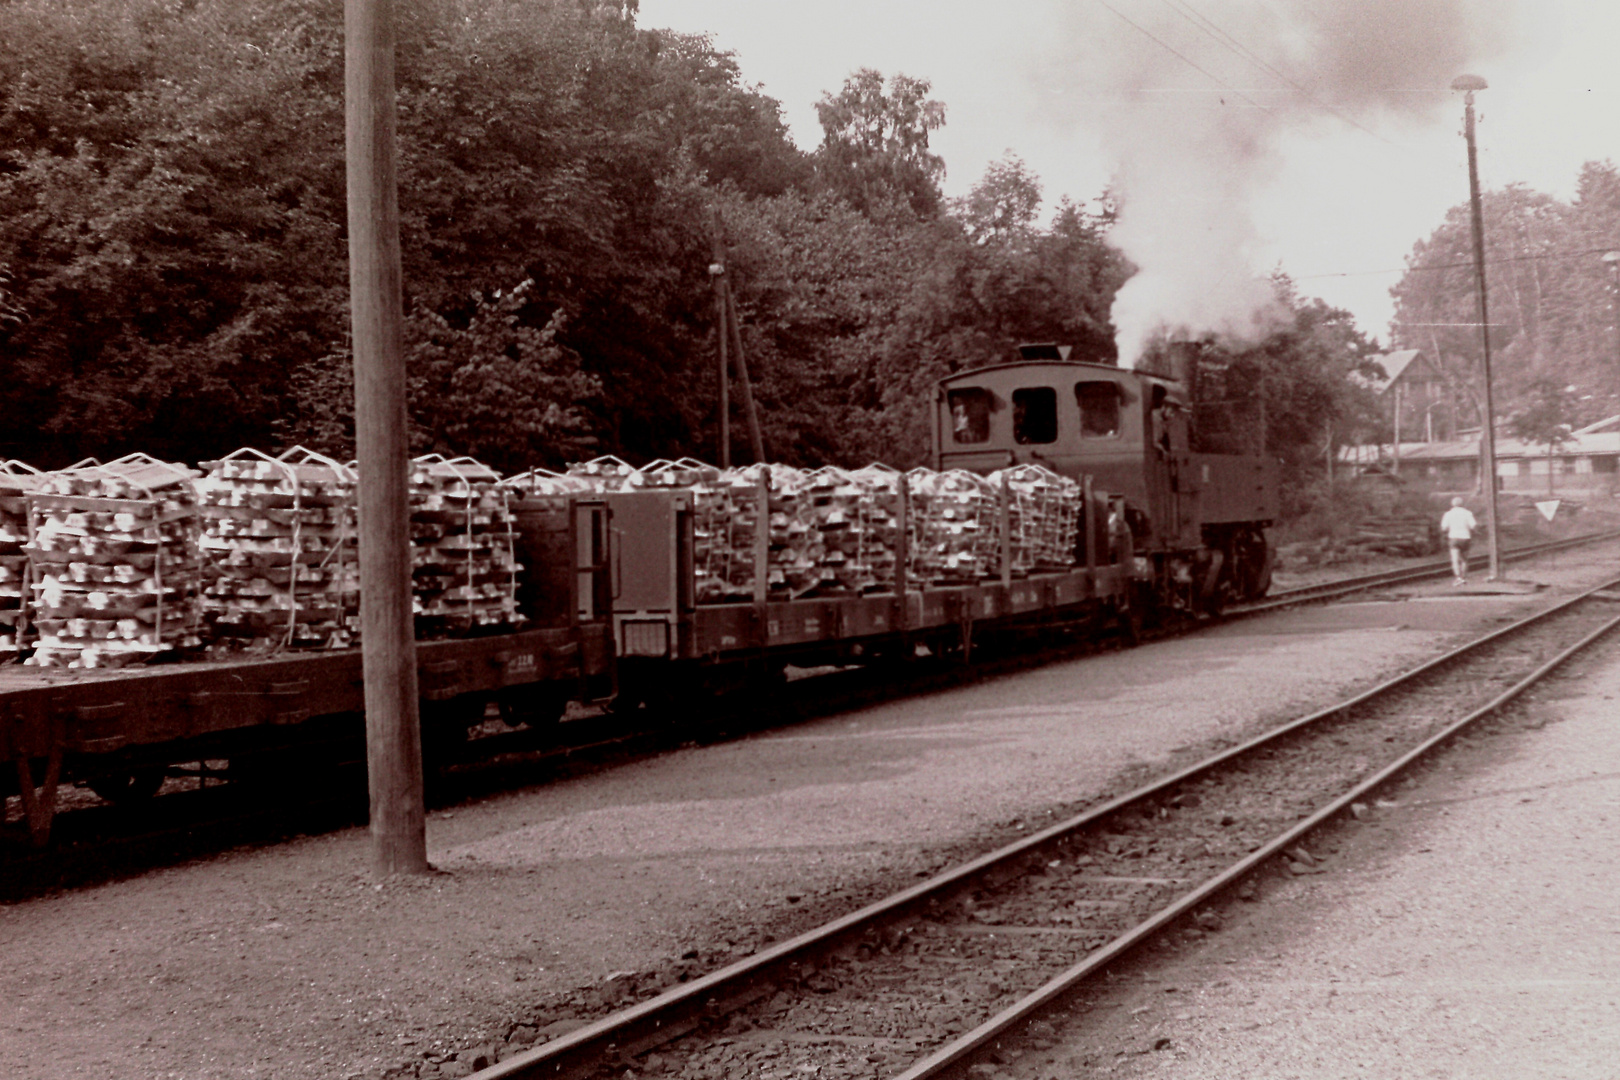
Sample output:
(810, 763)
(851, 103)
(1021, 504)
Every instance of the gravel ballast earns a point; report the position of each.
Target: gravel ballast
(1467, 927)
(552, 903)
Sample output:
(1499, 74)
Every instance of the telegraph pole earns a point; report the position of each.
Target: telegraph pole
(388, 637)
(756, 442)
(717, 272)
(1468, 84)
(730, 325)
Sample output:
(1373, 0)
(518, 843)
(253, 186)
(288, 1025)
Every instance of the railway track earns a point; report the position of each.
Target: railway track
(924, 983)
(97, 840)
(1329, 590)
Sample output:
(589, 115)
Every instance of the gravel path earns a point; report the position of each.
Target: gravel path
(1469, 928)
(554, 902)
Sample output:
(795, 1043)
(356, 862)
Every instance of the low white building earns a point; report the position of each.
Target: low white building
(1589, 463)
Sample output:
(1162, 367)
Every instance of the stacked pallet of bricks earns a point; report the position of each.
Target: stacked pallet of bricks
(16, 481)
(726, 512)
(280, 539)
(116, 564)
(1043, 509)
(956, 522)
(464, 550)
(796, 562)
(858, 514)
(725, 524)
(954, 526)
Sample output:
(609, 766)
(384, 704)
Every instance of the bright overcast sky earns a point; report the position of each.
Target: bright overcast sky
(1343, 207)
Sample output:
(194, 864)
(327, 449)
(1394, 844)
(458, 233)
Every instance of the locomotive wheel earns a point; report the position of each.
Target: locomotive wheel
(1210, 597)
(131, 787)
(1251, 564)
(1131, 616)
(1262, 577)
(1130, 624)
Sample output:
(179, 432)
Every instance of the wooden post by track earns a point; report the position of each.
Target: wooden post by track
(1088, 522)
(1005, 530)
(388, 640)
(902, 567)
(762, 540)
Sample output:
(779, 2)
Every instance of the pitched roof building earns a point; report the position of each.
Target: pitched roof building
(1420, 404)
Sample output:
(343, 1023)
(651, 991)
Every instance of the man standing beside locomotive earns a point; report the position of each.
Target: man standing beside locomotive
(1458, 525)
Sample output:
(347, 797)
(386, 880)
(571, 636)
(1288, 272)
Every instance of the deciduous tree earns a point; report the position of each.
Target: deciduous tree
(874, 147)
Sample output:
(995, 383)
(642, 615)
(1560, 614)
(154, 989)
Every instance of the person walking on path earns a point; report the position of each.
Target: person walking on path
(1458, 525)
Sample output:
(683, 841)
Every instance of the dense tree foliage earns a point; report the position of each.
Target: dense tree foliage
(874, 148)
(172, 205)
(173, 264)
(1551, 297)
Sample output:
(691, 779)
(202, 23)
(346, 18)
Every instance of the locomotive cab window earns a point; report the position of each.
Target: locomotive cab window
(1035, 415)
(1099, 409)
(970, 414)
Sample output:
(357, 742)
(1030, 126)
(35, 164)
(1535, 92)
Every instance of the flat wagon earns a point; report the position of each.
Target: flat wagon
(119, 730)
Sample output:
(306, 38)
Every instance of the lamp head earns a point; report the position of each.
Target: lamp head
(1468, 82)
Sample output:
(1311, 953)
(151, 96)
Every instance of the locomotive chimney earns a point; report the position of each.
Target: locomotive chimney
(1169, 360)
(1180, 355)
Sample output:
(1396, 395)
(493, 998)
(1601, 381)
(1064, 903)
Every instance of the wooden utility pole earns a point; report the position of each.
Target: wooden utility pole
(725, 372)
(756, 441)
(1396, 450)
(717, 274)
(388, 638)
(730, 327)
(1468, 84)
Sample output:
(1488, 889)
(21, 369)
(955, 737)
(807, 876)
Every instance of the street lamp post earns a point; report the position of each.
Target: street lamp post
(1468, 84)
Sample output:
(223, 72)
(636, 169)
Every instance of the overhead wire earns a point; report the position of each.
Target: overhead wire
(1220, 36)
(1181, 56)
(1466, 263)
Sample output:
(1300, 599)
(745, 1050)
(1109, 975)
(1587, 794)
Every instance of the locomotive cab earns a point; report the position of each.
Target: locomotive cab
(1122, 428)
(1198, 518)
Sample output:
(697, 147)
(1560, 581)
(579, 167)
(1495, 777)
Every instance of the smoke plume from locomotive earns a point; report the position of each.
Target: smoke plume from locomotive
(1191, 102)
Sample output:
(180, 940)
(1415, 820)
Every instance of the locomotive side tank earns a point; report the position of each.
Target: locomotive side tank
(1196, 521)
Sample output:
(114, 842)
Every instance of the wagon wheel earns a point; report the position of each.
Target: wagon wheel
(446, 728)
(541, 710)
(129, 787)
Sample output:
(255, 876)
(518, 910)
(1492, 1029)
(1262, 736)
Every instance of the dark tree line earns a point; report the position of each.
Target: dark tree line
(173, 265)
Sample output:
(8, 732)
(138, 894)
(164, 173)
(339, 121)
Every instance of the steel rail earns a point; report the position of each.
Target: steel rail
(682, 1009)
(1330, 589)
(957, 1052)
